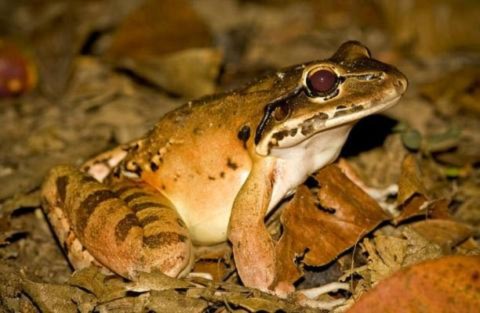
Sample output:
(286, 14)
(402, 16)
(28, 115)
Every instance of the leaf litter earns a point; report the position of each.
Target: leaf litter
(97, 90)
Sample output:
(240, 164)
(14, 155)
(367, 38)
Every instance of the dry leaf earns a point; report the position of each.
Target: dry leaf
(445, 233)
(394, 248)
(375, 166)
(463, 91)
(412, 195)
(156, 281)
(215, 260)
(167, 44)
(250, 299)
(449, 284)
(438, 209)
(409, 183)
(6, 230)
(320, 235)
(19, 201)
(468, 247)
(171, 301)
(191, 73)
(159, 27)
(386, 254)
(216, 268)
(417, 29)
(105, 288)
(134, 304)
(59, 298)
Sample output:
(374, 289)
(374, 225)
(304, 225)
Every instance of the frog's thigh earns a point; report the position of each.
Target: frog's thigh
(166, 240)
(127, 229)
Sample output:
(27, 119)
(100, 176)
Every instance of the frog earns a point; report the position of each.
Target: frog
(211, 170)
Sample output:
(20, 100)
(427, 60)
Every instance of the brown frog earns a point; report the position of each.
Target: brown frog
(211, 170)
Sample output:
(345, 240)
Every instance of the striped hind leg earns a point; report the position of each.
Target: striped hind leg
(126, 228)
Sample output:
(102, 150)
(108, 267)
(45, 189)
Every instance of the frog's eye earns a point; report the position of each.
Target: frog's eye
(322, 82)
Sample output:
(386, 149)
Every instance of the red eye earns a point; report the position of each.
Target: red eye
(322, 82)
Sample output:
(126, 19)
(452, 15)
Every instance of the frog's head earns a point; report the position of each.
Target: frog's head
(322, 95)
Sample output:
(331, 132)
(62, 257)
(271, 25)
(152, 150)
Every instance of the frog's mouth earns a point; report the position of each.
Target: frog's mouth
(296, 131)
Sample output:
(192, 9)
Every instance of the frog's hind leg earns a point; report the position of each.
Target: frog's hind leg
(165, 235)
(127, 229)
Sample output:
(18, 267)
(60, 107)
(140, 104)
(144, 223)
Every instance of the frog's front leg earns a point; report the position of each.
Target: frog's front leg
(253, 247)
(126, 227)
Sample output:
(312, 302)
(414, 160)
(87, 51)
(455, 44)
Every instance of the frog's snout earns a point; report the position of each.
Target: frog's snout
(400, 83)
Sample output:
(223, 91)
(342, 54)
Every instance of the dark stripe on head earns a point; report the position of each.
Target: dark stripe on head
(88, 205)
(134, 196)
(268, 112)
(62, 183)
(124, 226)
(148, 220)
(146, 205)
(163, 239)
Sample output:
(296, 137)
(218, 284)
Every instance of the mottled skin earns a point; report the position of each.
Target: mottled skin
(210, 170)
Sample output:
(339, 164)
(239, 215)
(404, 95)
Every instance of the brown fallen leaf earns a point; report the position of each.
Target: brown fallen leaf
(386, 254)
(438, 209)
(412, 196)
(417, 30)
(374, 167)
(159, 28)
(468, 247)
(155, 301)
(409, 183)
(252, 300)
(449, 96)
(59, 298)
(190, 72)
(445, 233)
(169, 45)
(215, 260)
(318, 235)
(105, 288)
(216, 268)
(171, 301)
(393, 248)
(7, 232)
(448, 284)
(9, 207)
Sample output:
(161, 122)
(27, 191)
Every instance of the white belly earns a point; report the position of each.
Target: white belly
(295, 164)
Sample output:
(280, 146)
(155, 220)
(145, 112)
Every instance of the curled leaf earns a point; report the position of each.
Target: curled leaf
(320, 234)
(412, 195)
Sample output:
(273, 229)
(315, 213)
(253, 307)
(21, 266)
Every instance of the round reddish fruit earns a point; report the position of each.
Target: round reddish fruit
(17, 72)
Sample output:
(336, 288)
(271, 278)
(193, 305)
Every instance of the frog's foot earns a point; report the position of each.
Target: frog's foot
(126, 228)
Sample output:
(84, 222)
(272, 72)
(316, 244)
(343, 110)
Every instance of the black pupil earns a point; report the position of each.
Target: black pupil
(322, 81)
